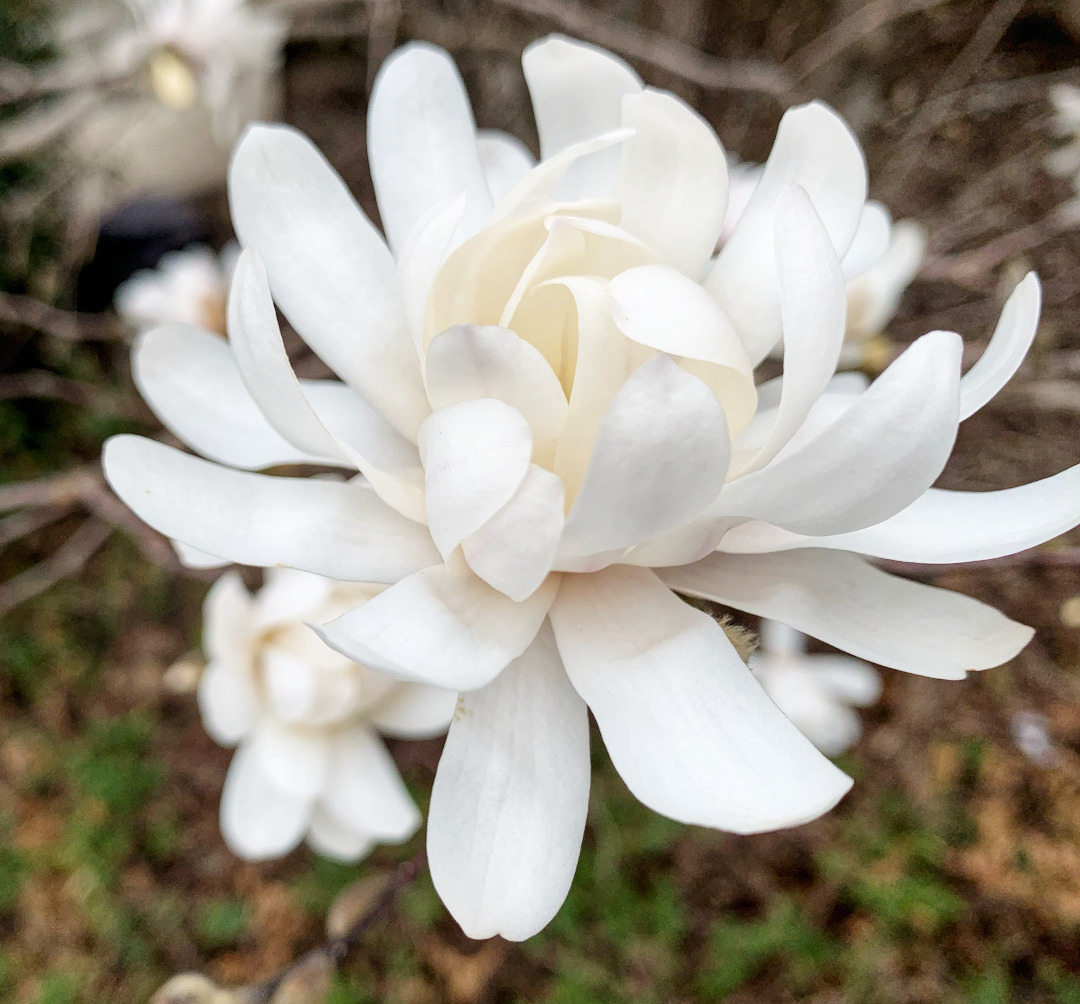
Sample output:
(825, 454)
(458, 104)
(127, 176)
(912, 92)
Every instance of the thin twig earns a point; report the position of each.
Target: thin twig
(50, 386)
(660, 51)
(22, 524)
(68, 559)
(52, 490)
(66, 325)
(866, 20)
(337, 948)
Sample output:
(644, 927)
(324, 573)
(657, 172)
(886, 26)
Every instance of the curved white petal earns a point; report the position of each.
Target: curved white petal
(365, 792)
(943, 527)
(879, 456)
(258, 819)
(505, 160)
(469, 630)
(192, 557)
(264, 364)
(420, 260)
(874, 294)
(871, 241)
(289, 596)
(414, 711)
(229, 620)
(515, 549)
(672, 181)
(658, 306)
(469, 361)
(812, 306)
(814, 149)
(660, 457)
(228, 701)
(476, 454)
(332, 528)
(329, 270)
(256, 342)
(295, 760)
(687, 726)
(422, 142)
(849, 680)
(510, 797)
(857, 608)
(1009, 344)
(331, 838)
(190, 379)
(577, 91)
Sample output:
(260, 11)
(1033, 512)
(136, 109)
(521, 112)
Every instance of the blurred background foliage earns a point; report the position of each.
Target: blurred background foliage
(952, 871)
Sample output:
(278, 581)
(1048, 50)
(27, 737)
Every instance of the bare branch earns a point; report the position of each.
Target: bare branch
(43, 384)
(66, 325)
(866, 20)
(68, 559)
(660, 51)
(55, 489)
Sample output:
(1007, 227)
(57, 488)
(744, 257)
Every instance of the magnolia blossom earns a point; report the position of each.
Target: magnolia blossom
(188, 286)
(817, 692)
(305, 720)
(197, 72)
(546, 383)
(880, 263)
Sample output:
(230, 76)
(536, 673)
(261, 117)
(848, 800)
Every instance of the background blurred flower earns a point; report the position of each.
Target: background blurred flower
(306, 720)
(552, 403)
(817, 692)
(189, 286)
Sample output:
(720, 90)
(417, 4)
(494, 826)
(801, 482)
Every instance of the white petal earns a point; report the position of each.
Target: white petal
(1009, 344)
(330, 272)
(943, 527)
(264, 364)
(871, 240)
(686, 724)
(414, 711)
(365, 791)
(849, 680)
(672, 181)
(228, 702)
(228, 620)
(476, 454)
(814, 149)
(260, 353)
(874, 295)
(878, 457)
(505, 160)
(657, 306)
(422, 142)
(812, 305)
(857, 608)
(577, 91)
(327, 527)
(289, 596)
(333, 839)
(291, 687)
(419, 262)
(190, 380)
(660, 457)
(515, 549)
(258, 819)
(510, 797)
(296, 760)
(192, 557)
(442, 626)
(468, 361)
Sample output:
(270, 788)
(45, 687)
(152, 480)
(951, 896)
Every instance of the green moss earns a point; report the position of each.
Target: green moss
(112, 765)
(222, 924)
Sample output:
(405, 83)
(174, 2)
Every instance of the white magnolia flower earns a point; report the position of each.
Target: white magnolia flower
(817, 692)
(189, 286)
(197, 72)
(551, 401)
(880, 263)
(306, 720)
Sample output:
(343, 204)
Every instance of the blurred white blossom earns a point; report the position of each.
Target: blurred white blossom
(1065, 160)
(1031, 733)
(817, 692)
(550, 398)
(306, 721)
(881, 262)
(189, 286)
